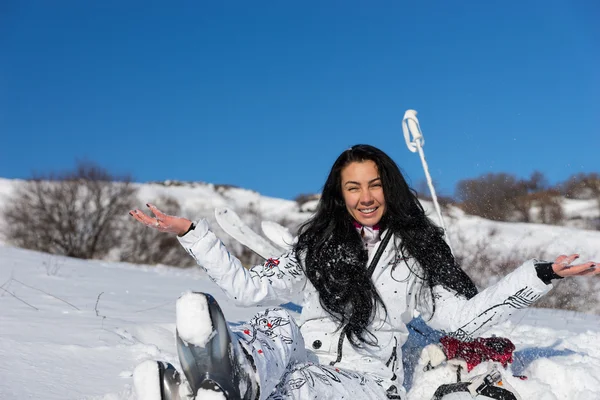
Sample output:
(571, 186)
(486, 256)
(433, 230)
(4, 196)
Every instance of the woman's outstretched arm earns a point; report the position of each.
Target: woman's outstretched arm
(276, 281)
(466, 318)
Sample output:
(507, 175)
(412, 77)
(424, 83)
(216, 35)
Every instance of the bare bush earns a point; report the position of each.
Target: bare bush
(548, 206)
(582, 186)
(488, 196)
(570, 294)
(304, 198)
(486, 265)
(503, 197)
(77, 213)
(144, 245)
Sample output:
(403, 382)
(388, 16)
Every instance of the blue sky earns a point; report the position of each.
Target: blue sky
(265, 95)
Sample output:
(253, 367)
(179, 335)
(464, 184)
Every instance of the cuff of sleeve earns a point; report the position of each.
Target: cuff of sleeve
(545, 272)
(193, 235)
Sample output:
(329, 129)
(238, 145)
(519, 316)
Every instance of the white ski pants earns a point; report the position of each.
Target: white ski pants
(274, 340)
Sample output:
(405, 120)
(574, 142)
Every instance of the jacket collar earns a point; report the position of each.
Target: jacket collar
(369, 234)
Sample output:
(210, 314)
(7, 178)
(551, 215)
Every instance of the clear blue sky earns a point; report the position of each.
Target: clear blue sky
(265, 95)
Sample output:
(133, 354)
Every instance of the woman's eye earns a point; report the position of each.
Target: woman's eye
(377, 185)
(352, 189)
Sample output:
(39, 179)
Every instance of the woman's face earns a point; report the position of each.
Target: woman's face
(363, 192)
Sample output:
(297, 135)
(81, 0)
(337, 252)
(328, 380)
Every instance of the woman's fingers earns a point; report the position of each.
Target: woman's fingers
(593, 270)
(588, 268)
(562, 266)
(159, 214)
(571, 258)
(563, 263)
(566, 260)
(144, 219)
(162, 222)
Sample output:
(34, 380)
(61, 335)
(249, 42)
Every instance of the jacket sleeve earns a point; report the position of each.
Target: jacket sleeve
(467, 318)
(277, 281)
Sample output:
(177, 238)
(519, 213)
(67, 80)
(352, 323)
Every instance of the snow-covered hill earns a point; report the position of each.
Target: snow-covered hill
(486, 249)
(198, 198)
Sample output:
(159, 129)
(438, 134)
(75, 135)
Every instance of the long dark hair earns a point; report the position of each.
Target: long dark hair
(335, 258)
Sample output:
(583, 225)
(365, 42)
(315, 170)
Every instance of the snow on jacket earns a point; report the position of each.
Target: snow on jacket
(282, 279)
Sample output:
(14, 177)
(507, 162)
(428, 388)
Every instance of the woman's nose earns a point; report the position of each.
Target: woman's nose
(366, 198)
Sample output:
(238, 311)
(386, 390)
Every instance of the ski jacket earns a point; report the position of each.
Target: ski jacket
(282, 279)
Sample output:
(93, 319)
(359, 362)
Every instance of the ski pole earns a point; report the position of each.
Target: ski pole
(410, 125)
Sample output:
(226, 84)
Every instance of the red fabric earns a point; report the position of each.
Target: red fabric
(479, 350)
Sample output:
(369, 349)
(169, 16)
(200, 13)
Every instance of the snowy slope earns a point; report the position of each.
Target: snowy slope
(105, 318)
(75, 329)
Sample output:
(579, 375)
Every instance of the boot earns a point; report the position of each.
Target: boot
(158, 380)
(211, 357)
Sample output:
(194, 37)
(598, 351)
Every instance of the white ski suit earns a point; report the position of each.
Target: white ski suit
(287, 371)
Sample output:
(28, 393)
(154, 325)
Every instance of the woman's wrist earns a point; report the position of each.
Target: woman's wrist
(190, 228)
(545, 271)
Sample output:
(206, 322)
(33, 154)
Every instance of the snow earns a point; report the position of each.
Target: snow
(574, 208)
(558, 352)
(538, 238)
(104, 320)
(193, 319)
(205, 394)
(146, 378)
(80, 332)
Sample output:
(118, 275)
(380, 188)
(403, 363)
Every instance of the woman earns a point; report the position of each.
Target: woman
(366, 261)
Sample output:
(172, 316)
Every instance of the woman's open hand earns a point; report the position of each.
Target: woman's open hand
(562, 266)
(162, 222)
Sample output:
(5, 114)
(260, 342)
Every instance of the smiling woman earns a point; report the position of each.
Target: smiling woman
(363, 192)
(369, 228)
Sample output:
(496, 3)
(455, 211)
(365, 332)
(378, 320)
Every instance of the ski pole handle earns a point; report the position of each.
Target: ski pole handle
(410, 125)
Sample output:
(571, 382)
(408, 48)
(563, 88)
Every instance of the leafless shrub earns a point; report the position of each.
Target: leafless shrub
(548, 206)
(223, 187)
(306, 197)
(489, 195)
(582, 186)
(571, 294)
(483, 263)
(76, 213)
(144, 245)
(503, 197)
(177, 183)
